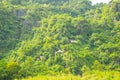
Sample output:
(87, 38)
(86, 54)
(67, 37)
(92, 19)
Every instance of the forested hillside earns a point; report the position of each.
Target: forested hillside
(53, 37)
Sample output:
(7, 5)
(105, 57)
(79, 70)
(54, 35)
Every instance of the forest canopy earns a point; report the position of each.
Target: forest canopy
(41, 37)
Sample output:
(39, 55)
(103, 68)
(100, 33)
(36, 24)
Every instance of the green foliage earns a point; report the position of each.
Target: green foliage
(50, 37)
(98, 66)
(13, 70)
(28, 67)
(95, 75)
(3, 71)
(9, 70)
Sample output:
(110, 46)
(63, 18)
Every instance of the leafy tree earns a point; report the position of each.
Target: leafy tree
(13, 70)
(3, 71)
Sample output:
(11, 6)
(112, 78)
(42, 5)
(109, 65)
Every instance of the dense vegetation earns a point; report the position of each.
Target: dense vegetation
(94, 75)
(53, 37)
